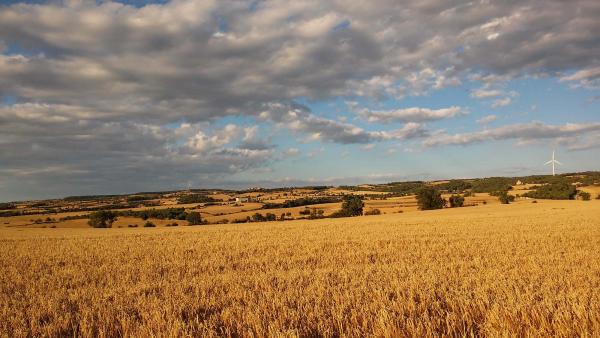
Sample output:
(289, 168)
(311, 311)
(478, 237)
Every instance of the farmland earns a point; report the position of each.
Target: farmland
(518, 269)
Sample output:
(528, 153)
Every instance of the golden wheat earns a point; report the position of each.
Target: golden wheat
(521, 269)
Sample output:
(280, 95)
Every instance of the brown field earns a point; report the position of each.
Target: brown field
(493, 270)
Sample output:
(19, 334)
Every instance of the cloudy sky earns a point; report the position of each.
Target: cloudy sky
(102, 97)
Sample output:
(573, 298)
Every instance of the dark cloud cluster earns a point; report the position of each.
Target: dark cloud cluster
(97, 83)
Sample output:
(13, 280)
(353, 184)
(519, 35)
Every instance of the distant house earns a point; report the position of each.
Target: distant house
(242, 199)
(519, 182)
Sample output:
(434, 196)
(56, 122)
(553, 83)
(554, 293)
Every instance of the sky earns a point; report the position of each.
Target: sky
(107, 97)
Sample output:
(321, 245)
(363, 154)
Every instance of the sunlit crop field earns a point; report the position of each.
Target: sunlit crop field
(519, 269)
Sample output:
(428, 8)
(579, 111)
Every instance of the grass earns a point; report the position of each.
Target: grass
(496, 270)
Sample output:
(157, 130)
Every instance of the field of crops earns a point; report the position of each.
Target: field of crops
(494, 270)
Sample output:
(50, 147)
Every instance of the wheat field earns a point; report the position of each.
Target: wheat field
(498, 270)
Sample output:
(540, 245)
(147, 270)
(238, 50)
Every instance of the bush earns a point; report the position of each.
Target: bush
(305, 211)
(353, 205)
(132, 226)
(585, 195)
(316, 213)
(504, 197)
(456, 201)
(102, 219)
(560, 190)
(195, 198)
(429, 198)
(258, 217)
(6, 206)
(301, 202)
(455, 186)
(149, 225)
(194, 218)
(534, 201)
(491, 184)
(373, 212)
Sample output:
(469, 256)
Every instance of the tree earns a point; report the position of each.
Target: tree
(102, 219)
(352, 205)
(456, 201)
(504, 197)
(585, 195)
(559, 190)
(258, 217)
(194, 218)
(429, 198)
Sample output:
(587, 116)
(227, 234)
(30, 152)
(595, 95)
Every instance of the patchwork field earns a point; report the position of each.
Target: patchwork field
(521, 269)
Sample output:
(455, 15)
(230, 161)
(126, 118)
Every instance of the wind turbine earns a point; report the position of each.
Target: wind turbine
(553, 161)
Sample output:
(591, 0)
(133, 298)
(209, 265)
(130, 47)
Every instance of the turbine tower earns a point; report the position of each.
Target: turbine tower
(553, 162)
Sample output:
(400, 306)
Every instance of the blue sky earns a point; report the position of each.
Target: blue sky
(105, 97)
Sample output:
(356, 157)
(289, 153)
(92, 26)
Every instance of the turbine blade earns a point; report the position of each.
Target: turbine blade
(549, 162)
(555, 161)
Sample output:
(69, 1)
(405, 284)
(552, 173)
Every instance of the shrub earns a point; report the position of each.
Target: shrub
(300, 202)
(6, 206)
(102, 219)
(270, 217)
(585, 195)
(149, 225)
(534, 201)
(560, 190)
(504, 197)
(455, 186)
(456, 201)
(132, 226)
(491, 184)
(305, 211)
(353, 205)
(194, 198)
(373, 212)
(429, 198)
(194, 218)
(316, 213)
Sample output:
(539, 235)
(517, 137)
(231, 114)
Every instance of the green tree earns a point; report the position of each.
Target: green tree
(504, 197)
(102, 219)
(429, 198)
(456, 201)
(352, 205)
(585, 195)
(194, 218)
(559, 190)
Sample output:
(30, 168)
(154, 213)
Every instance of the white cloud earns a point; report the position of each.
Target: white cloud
(486, 93)
(501, 102)
(487, 119)
(413, 114)
(521, 132)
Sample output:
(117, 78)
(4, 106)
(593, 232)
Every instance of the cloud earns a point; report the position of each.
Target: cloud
(522, 132)
(501, 102)
(589, 78)
(99, 85)
(40, 155)
(291, 152)
(487, 119)
(300, 119)
(486, 93)
(413, 114)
